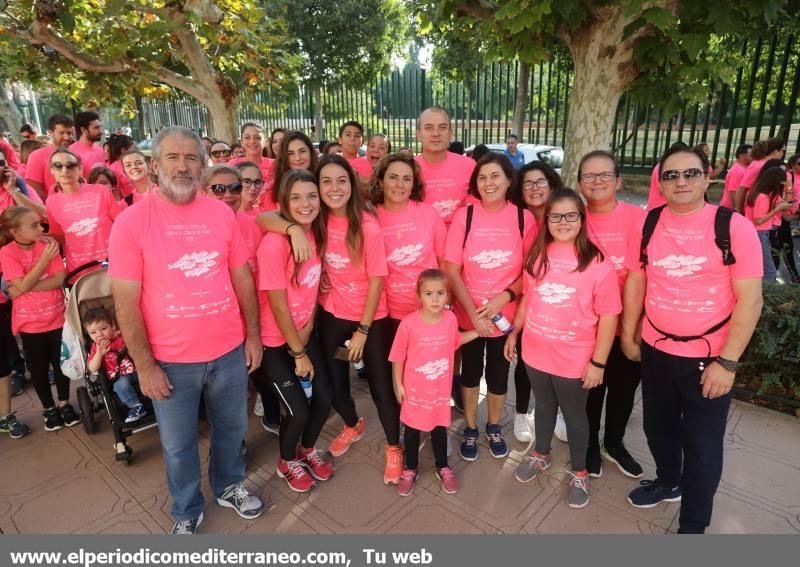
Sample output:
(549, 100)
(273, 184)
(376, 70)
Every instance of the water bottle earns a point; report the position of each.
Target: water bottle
(358, 364)
(305, 382)
(501, 322)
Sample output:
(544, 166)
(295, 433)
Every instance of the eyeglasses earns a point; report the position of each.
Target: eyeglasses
(221, 153)
(256, 183)
(540, 183)
(603, 176)
(220, 188)
(691, 175)
(69, 166)
(556, 218)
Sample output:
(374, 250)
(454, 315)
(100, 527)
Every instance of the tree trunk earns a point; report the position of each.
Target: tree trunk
(9, 112)
(224, 122)
(318, 117)
(521, 101)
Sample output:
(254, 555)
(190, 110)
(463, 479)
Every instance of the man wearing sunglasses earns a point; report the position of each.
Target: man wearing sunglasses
(220, 153)
(700, 296)
(37, 172)
(182, 288)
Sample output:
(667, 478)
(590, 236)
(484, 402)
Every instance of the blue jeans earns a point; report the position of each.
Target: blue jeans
(223, 382)
(766, 252)
(124, 388)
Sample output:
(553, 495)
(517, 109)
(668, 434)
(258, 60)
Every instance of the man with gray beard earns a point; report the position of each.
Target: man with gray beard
(182, 287)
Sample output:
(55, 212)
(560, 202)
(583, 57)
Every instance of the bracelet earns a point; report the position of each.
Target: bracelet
(297, 354)
(510, 293)
(286, 232)
(597, 364)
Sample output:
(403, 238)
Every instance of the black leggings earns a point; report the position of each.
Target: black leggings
(7, 342)
(783, 245)
(333, 332)
(472, 364)
(522, 385)
(41, 351)
(302, 419)
(438, 443)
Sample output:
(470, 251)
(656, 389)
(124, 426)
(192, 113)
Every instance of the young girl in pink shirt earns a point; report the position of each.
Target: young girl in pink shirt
(252, 185)
(568, 318)
(763, 206)
(422, 366)
(134, 164)
(297, 152)
(33, 267)
(252, 138)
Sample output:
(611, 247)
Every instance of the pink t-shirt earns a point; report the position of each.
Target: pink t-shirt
(38, 168)
(563, 310)
(361, 166)
(251, 237)
(124, 184)
(267, 167)
(760, 209)
(415, 238)
(10, 155)
(91, 155)
(689, 290)
(34, 311)
(446, 183)
(492, 258)
(348, 277)
(182, 255)
(427, 352)
(84, 220)
(732, 182)
(614, 232)
(137, 196)
(751, 174)
(276, 271)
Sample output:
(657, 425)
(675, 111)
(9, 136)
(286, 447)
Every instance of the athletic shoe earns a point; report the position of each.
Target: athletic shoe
(455, 394)
(319, 467)
(69, 416)
(497, 445)
(650, 494)
(53, 420)
(347, 437)
(626, 464)
(561, 427)
(258, 407)
(273, 428)
(17, 384)
(405, 487)
(236, 496)
(449, 481)
(594, 464)
(394, 465)
(578, 496)
(187, 527)
(136, 413)
(15, 428)
(522, 429)
(469, 447)
(532, 465)
(295, 475)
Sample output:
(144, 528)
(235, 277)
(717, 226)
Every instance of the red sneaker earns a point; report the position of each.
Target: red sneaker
(295, 475)
(319, 467)
(406, 484)
(394, 465)
(347, 437)
(449, 481)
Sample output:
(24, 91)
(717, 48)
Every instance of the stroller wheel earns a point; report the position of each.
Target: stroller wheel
(86, 409)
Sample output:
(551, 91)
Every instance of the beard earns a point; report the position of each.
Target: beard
(179, 190)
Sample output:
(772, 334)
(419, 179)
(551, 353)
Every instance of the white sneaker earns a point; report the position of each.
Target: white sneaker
(258, 408)
(522, 430)
(561, 427)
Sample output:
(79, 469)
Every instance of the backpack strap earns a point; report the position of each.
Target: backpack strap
(647, 232)
(521, 222)
(722, 234)
(470, 212)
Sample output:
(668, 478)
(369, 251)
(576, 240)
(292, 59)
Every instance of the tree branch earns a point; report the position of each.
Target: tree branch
(40, 33)
(189, 86)
(192, 53)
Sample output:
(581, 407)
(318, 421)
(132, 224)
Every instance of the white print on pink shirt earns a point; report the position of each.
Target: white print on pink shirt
(434, 369)
(195, 264)
(491, 259)
(336, 261)
(447, 207)
(680, 266)
(551, 292)
(618, 261)
(83, 227)
(312, 276)
(405, 255)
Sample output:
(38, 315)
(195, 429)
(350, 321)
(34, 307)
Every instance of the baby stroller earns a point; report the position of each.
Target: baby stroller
(93, 289)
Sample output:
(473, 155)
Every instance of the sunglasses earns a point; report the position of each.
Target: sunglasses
(69, 166)
(257, 183)
(692, 174)
(220, 188)
(220, 153)
(556, 218)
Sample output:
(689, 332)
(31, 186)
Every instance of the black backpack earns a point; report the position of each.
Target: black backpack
(471, 211)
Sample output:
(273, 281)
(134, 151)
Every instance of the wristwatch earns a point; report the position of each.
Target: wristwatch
(363, 329)
(729, 365)
(510, 293)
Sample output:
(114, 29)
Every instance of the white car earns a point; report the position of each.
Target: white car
(551, 155)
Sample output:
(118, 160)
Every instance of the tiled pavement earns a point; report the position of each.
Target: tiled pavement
(68, 482)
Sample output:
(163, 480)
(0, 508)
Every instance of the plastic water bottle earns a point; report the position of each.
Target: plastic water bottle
(305, 382)
(501, 322)
(358, 364)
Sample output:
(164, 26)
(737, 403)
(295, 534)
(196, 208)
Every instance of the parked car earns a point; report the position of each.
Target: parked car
(146, 147)
(551, 155)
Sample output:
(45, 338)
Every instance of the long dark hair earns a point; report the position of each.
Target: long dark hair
(284, 193)
(376, 187)
(118, 144)
(505, 165)
(553, 180)
(770, 182)
(537, 263)
(282, 165)
(355, 207)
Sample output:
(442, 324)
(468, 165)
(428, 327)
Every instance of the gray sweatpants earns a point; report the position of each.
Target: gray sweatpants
(552, 392)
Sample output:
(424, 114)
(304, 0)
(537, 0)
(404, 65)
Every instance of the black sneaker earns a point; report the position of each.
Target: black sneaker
(17, 384)
(187, 527)
(53, 420)
(594, 464)
(70, 417)
(624, 461)
(16, 429)
(650, 494)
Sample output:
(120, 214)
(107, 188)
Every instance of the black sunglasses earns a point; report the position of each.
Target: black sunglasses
(220, 153)
(69, 166)
(220, 188)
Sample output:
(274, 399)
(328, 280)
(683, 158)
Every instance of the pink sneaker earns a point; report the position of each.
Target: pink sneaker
(406, 484)
(449, 481)
(347, 437)
(295, 475)
(319, 467)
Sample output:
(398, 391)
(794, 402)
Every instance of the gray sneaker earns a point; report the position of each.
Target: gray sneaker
(236, 496)
(532, 465)
(578, 496)
(187, 527)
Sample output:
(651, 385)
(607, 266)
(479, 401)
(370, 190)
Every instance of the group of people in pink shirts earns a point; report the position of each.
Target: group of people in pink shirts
(435, 272)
